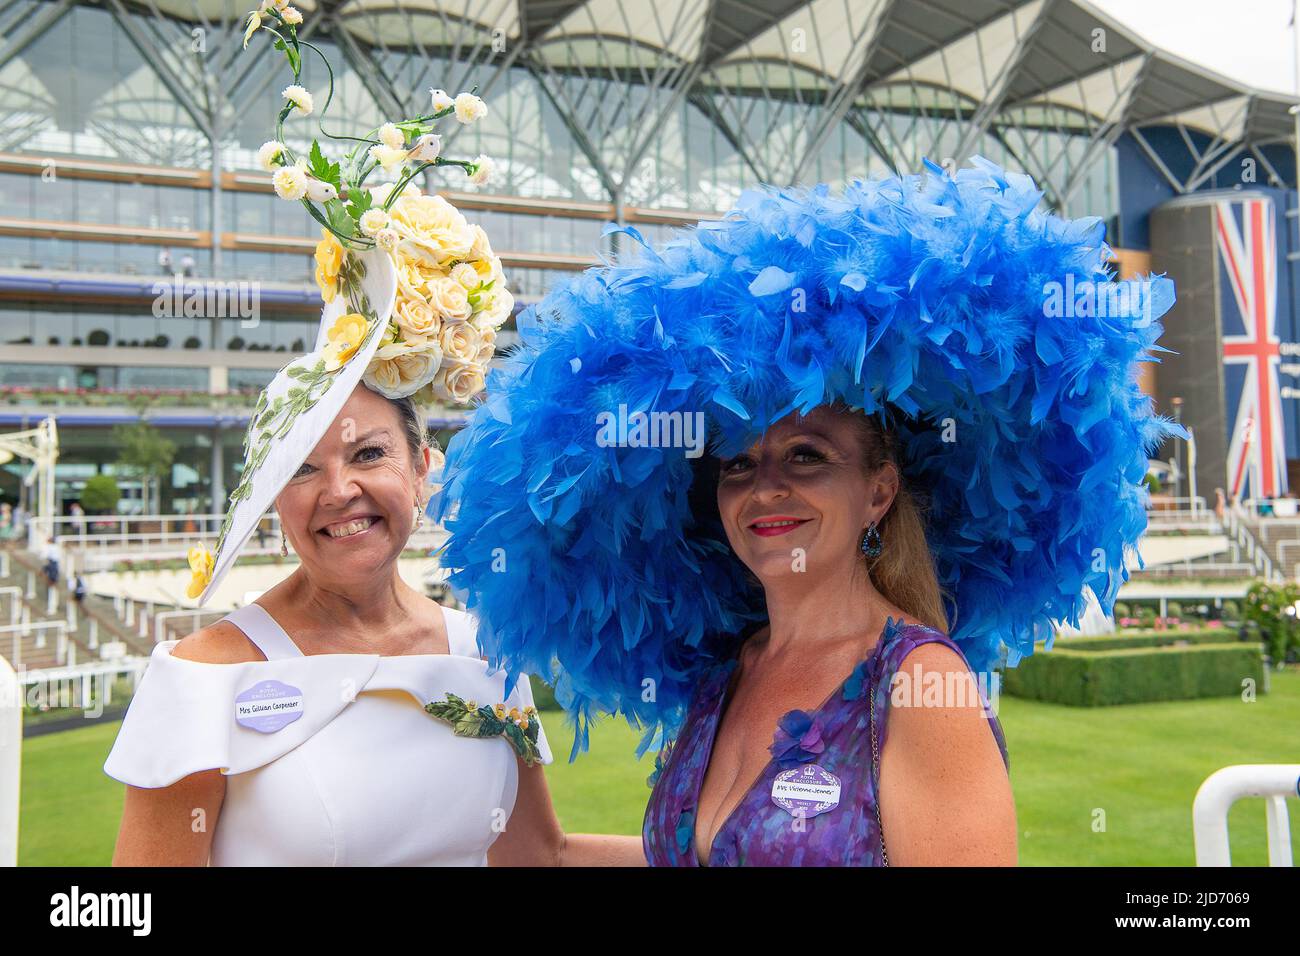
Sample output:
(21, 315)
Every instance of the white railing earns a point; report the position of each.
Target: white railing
(1187, 569)
(194, 615)
(1223, 788)
(79, 679)
(24, 629)
(1195, 506)
(106, 559)
(1278, 507)
(15, 595)
(11, 748)
(124, 531)
(1268, 526)
(1245, 538)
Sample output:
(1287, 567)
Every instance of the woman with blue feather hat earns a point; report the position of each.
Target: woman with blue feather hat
(786, 491)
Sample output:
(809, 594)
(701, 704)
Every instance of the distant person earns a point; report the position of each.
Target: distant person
(165, 261)
(187, 265)
(79, 590)
(1220, 503)
(51, 566)
(78, 517)
(6, 521)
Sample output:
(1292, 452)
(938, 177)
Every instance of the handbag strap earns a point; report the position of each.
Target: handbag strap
(875, 763)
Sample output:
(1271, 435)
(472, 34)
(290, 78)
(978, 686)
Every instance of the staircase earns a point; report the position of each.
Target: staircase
(95, 622)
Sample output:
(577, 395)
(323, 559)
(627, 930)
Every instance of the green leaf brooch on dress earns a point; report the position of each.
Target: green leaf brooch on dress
(467, 719)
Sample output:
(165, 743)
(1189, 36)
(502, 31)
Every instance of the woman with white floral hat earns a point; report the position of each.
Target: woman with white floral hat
(344, 718)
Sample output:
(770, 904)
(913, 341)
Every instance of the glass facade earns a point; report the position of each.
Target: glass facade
(120, 121)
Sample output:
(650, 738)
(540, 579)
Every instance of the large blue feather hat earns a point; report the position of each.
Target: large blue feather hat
(939, 303)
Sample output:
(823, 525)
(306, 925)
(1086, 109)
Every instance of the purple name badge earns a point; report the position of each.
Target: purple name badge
(806, 791)
(268, 706)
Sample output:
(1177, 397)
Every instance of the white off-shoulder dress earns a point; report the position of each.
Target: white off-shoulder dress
(331, 759)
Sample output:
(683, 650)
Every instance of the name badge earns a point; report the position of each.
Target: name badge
(806, 791)
(268, 706)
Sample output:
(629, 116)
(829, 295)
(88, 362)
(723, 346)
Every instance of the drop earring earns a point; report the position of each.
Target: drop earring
(419, 515)
(871, 544)
(284, 545)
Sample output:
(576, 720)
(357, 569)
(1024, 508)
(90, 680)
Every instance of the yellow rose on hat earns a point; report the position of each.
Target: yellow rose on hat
(201, 563)
(458, 383)
(415, 317)
(433, 225)
(402, 368)
(460, 341)
(449, 299)
(344, 338)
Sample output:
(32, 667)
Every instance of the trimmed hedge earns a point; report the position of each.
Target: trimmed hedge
(1148, 638)
(1134, 675)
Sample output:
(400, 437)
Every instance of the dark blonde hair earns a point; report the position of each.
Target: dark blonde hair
(412, 419)
(904, 571)
(408, 413)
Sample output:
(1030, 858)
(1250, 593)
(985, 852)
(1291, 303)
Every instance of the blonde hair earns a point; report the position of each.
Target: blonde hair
(904, 571)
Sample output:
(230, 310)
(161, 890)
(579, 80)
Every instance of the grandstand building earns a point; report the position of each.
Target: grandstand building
(128, 135)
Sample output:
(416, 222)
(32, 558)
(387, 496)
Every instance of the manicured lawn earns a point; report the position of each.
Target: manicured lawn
(1134, 768)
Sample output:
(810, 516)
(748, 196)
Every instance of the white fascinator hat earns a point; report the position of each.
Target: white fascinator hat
(413, 293)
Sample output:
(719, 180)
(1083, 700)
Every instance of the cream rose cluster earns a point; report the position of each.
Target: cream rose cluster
(451, 299)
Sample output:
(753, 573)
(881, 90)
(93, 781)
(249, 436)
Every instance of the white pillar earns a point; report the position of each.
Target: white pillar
(52, 601)
(11, 742)
(130, 612)
(143, 629)
(4, 564)
(94, 634)
(72, 615)
(27, 621)
(71, 654)
(117, 604)
(31, 586)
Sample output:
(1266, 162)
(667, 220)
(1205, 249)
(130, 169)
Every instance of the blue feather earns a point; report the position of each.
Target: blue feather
(614, 590)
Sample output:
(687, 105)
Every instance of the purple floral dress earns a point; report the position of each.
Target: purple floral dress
(815, 802)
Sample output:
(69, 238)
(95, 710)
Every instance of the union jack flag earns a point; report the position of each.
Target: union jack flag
(1246, 237)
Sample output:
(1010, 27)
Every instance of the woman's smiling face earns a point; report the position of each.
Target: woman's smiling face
(802, 491)
(348, 510)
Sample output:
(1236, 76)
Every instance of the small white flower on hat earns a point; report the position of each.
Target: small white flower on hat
(290, 182)
(374, 220)
(300, 97)
(470, 108)
(387, 157)
(484, 167)
(268, 154)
